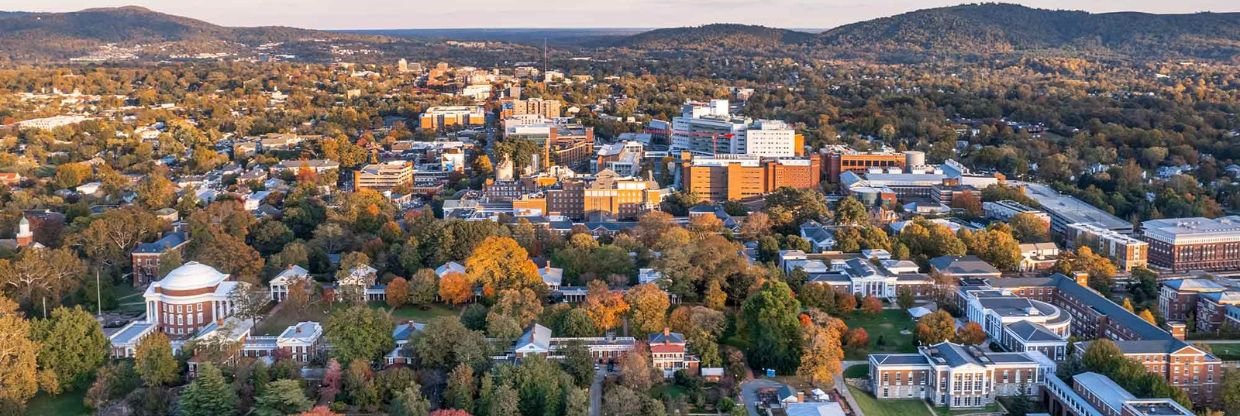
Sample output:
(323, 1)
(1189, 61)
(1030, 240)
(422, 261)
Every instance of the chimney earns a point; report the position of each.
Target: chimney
(1082, 278)
(548, 266)
(667, 334)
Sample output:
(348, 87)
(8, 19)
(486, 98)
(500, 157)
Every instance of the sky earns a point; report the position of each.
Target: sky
(416, 14)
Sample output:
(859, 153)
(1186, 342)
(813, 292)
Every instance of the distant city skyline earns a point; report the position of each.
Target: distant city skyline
(381, 14)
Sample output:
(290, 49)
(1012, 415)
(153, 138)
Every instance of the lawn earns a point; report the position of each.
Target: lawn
(418, 314)
(884, 330)
(1227, 352)
(943, 411)
(283, 318)
(871, 406)
(68, 403)
(857, 371)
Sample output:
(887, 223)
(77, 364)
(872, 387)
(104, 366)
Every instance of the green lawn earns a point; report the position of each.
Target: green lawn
(276, 323)
(68, 403)
(943, 411)
(884, 327)
(871, 406)
(418, 314)
(1227, 352)
(857, 371)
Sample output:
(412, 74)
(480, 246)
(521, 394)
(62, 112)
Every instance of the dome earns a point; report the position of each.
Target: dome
(192, 275)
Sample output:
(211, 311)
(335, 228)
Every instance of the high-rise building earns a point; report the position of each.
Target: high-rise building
(436, 118)
(1184, 244)
(736, 177)
(711, 129)
(535, 106)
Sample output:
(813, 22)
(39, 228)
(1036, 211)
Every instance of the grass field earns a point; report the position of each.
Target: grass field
(885, 328)
(1226, 352)
(68, 403)
(943, 411)
(420, 315)
(871, 406)
(857, 371)
(277, 322)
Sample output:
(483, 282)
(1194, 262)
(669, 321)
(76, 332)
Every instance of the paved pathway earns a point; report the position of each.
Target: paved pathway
(749, 393)
(596, 392)
(843, 387)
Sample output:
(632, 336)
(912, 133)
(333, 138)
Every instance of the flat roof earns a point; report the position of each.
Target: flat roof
(1104, 388)
(1071, 209)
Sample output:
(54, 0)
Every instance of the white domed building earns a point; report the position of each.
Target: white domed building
(189, 298)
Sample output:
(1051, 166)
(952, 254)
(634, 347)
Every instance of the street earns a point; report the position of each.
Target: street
(596, 392)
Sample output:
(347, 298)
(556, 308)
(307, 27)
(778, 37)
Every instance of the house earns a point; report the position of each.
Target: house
(994, 374)
(280, 284)
(449, 267)
(819, 237)
(669, 352)
(145, 257)
(551, 276)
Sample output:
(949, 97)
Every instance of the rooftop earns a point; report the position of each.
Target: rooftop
(1174, 229)
(1071, 209)
(1104, 388)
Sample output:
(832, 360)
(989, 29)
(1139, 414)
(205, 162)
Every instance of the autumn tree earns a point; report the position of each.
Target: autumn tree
(523, 306)
(36, 275)
(821, 357)
(935, 328)
(154, 362)
(871, 305)
(857, 339)
(993, 246)
(648, 307)
(788, 208)
(500, 263)
(155, 191)
(18, 356)
(1030, 228)
(636, 370)
(850, 211)
(1148, 316)
(396, 293)
(968, 202)
(604, 306)
(460, 391)
(422, 287)
(971, 334)
(108, 239)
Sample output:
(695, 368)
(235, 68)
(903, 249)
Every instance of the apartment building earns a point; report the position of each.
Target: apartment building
(957, 376)
(441, 117)
(1186, 244)
(1212, 309)
(535, 106)
(605, 194)
(1177, 299)
(1006, 209)
(383, 176)
(1126, 251)
(735, 177)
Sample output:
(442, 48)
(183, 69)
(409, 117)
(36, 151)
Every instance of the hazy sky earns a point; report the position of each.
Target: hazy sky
(389, 14)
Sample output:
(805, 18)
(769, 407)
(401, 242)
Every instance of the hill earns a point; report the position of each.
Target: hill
(731, 36)
(980, 29)
(44, 36)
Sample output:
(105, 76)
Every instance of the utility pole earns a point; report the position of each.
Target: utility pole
(98, 296)
(45, 307)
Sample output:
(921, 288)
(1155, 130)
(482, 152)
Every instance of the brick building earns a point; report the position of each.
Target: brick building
(1212, 309)
(1177, 299)
(957, 376)
(145, 257)
(845, 160)
(1184, 244)
(1126, 251)
(729, 178)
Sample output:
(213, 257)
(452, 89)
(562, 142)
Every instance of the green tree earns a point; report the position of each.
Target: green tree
(18, 359)
(904, 297)
(445, 342)
(423, 287)
(409, 402)
(282, 397)
(769, 322)
(578, 363)
(154, 362)
(577, 402)
(505, 401)
(850, 211)
(208, 394)
(935, 328)
(460, 391)
(73, 348)
(1029, 228)
(359, 332)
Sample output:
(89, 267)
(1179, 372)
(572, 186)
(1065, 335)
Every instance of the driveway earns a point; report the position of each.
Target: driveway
(749, 393)
(596, 392)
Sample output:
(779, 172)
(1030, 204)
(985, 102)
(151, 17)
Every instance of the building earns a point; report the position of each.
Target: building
(1212, 309)
(957, 376)
(819, 237)
(856, 275)
(710, 129)
(624, 158)
(145, 257)
(669, 352)
(280, 285)
(1126, 251)
(1184, 244)
(538, 340)
(188, 298)
(1177, 299)
(313, 165)
(842, 159)
(443, 117)
(730, 178)
(1006, 209)
(560, 142)
(383, 176)
(302, 342)
(769, 138)
(1066, 210)
(1038, 256)
(535, 106)
(49, 123)
(1094, 394)
(606, 194)
(1018, 324)
(963, 267)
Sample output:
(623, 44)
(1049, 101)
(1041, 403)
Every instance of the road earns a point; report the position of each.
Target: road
(749, 393)
(596, 392)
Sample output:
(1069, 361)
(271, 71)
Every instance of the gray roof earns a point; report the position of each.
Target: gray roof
(1105, 389)
(1031, 332)
(963, 266)
(669, 337)
(1016, 306)
(1194, 285)
(899, 359)
(537, 335)
(161, 245)
(1142, 328)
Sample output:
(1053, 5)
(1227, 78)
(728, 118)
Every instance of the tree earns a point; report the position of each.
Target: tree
(333, 376)
(249, 301)
(523, 306)
(409, 402)
(154, 362)
(73, 348)
(109, 238)
(636, 369)
(359, 332)
(857, 339)
(359, 384)
(272, 236)
(397, 292)
(449, 412)
(578, 363)
(604, 306)
(621, 401)
(871, 305)
(715, 297)
(1148, 316)
(423, 286)
(230, 254)
(971, 334)
(208, 394)
(788, 208)
(850, 211)
(111, 381)
(846, 302)
(993, 246)
(156, 191)
(904, 297)
(35, 275)
(969, 202)
(500, 263)
(504, 401)
(769, 322)
(935, 328)
(1229, 392)
(1030, 228)
(460, 391)
(1128, 305)
(577, 402)
(282, 397)
(18, 356)
(445, 342)
(756, 225)
(455, 288)
(648, 305)
(821, 358)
